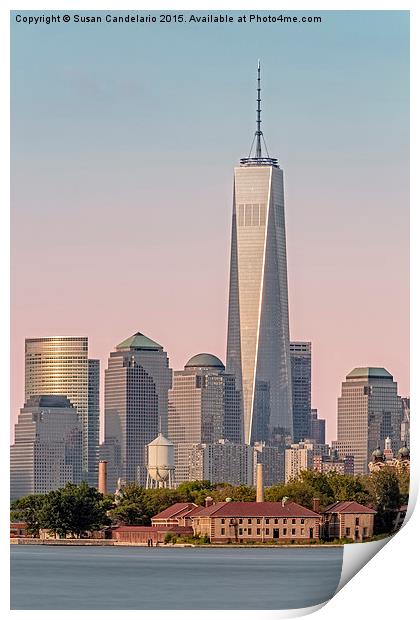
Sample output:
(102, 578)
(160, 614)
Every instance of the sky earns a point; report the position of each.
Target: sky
(123, 142)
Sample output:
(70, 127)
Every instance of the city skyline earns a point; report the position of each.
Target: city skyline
(352, 225)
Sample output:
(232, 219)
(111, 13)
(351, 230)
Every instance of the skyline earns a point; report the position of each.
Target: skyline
(201, 246)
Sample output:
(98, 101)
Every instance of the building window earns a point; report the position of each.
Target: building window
(223, 520)
(357, 520)
(240, 520)
(347, 531)
(276, 521)
(249, 531)
(302, 531)
(258, 520)
(249, 521)
(302, 521)
(293, 521)
(222, 531)
(267, 531)
(267, 521)
(284, 521)
(258, 531)
(293, 531)
(284, 531)
(365, 531)
(240, 531)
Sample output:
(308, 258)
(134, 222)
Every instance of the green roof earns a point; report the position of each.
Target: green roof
(204, 360)
(139, 341)
(369, 373)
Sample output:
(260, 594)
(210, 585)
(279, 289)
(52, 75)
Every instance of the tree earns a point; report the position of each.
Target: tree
(130, 508)
(74, 509)
(28, 509)
(384, 490)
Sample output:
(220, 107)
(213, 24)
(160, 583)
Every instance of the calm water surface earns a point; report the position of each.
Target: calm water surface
(141, 578)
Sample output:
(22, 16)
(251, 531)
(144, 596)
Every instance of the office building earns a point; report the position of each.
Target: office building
(47, 452)
(222, 462)
(258, 321)
(204, 407)
(327, 463)
(60, 366)
(137, 381)
(317, 427)
(298, 457)
(369, 411)
(405, 424)
(300, 362)
(272, 459)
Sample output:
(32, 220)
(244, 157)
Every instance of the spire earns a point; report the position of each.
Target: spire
(258, 133)
(258, 159)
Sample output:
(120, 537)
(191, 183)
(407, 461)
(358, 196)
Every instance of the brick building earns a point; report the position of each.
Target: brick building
(347, 520)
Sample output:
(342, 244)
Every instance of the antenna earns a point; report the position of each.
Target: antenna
(258, 133)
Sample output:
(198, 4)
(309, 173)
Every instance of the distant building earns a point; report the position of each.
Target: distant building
(386, 458)
(60, 365)
(272, 459)
(317, 428)
(298, 457)
(369, 410)
(325, 464)
(405, 424)
(348, 520)
(137, 381)
(204, 408)
(222, 462)
(300, 362)
(47, 452)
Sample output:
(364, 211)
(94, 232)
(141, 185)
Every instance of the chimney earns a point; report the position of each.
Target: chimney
(208, 501)
(260, 483)
(315, 504)
(284, 500)
(102, 477)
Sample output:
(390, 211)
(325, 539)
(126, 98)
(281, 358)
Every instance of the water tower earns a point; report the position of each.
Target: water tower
(160, 463)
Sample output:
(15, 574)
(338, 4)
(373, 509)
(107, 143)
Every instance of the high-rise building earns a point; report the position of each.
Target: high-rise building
(317, 428)
(327, 463)
(298, 457)
(369, 411)
(204, 407)
(47, 452)
(300, 362)
(137, 381)
(258, 322)
(60, 365)
(405, 424)
(222, 461)
(272, 459)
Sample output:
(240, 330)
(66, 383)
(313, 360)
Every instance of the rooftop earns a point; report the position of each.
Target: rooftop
(369, 373)
(49, 401)
(205, 360)
(138, 342)
(349, 508)
(176, 510)
(255, 509)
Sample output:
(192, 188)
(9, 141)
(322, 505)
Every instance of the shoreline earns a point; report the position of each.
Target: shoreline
(112, 543)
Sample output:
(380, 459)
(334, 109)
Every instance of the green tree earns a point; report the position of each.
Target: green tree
(28, 509)
(130, 507)
(384, 489)
(74, 509)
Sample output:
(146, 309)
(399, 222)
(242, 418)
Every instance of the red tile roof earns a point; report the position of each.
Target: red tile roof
(176, 510)
(255, 509)
(349, 508)
(152, 528)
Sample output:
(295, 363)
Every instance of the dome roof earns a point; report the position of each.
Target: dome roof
(404, 451)
(205, 360)
(161, 441)
(377, 453)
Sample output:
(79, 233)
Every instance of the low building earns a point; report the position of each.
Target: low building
(175, 515)
(138, 534)
(382, 459)
(238, 522)
(347, 520)
(19, 529)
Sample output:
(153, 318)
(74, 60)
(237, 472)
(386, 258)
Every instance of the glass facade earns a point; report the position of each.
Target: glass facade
(47, 452)
(300, 362)
(60, 365)
(137, 381)
(369, 410)
(258, 321)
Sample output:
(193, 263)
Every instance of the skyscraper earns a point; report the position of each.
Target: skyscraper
(204, 407)
(258, 321)
(317, 427)
(369, 411)
(300, 362)
(47, 452)
(298, 457)
(137, 381)
(59, 365)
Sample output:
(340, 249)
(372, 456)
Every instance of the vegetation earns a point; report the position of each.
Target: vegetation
(76, 509)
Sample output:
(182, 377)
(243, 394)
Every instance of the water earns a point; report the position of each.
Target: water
(44, 577)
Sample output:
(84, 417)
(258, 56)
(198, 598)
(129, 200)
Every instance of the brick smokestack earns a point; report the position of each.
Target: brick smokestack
(208, 501)
(315, 504)
(260, 483)
(102, 477)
